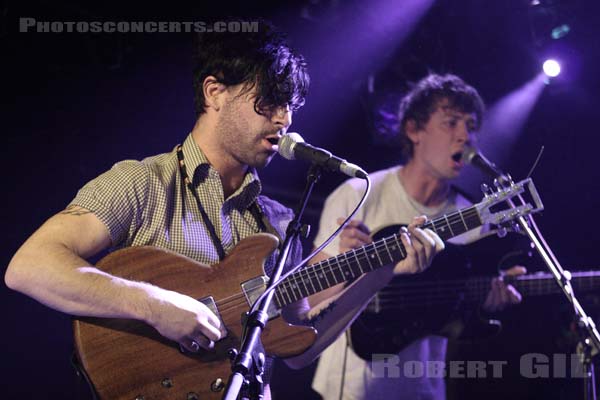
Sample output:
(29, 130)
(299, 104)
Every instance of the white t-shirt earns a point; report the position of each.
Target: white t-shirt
(388, 203)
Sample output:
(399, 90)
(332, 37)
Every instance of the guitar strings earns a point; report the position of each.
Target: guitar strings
(399, 301)
(319, 272)
(314, 271)
(382, 243)
(545, 285)
(536, 286)
(287, 283)
(413, 293)
(530, 281)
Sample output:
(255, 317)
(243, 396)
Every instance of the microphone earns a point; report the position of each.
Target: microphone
(291, 146)
(475, 158)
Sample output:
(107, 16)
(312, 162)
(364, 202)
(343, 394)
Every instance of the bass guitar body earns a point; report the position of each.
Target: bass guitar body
(440, 301)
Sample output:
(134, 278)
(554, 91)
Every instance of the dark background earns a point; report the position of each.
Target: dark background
(73, 104)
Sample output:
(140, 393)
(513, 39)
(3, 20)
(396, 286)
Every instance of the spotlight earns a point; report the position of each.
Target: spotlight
(551, 68)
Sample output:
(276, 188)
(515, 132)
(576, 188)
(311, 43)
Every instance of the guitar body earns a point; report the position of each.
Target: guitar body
(389, 332)
(127, 359)
(436, 302)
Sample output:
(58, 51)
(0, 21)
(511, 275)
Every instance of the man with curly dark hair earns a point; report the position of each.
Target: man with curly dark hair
(447, 92)
(437, 120)
(199, 200)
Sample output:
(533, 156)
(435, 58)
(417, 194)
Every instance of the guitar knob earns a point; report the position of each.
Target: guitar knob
(232, 353)
(192, 396)
(217, 385)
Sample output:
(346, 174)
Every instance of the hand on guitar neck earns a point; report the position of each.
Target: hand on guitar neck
(501, 293)
(433, 302)
(421, 245)
(356, 234)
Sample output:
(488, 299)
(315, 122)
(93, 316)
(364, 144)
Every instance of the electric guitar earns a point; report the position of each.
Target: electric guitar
(127, 359)
(412, 307)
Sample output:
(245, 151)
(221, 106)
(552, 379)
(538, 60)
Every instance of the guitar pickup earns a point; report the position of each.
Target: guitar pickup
(253, 288)
(212, 306)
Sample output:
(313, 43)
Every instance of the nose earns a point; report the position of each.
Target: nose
(282, 117)
(463, 133)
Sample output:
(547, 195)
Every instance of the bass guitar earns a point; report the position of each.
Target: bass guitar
(410, 308)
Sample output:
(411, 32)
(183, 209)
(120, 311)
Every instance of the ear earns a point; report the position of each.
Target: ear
(214, 92)
(412, 132)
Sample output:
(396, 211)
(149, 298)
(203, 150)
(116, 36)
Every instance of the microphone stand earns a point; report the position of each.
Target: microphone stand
(589, 339)
(248, 363)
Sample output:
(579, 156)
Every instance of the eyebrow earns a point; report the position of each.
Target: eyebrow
(451, 112)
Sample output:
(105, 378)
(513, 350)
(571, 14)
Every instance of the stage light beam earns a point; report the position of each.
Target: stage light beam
(503, 125)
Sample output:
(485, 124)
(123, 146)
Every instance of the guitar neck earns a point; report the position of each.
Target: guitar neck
(544, 283)
(349, 265)
(538, 284)
(408, 295)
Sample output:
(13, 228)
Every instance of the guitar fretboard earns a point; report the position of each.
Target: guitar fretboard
(544, 283)
(409, 295)
(352, 264)
(538, 284)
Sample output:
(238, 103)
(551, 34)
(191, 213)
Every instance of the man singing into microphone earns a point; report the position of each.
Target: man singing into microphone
(438, 119)
(198, 200)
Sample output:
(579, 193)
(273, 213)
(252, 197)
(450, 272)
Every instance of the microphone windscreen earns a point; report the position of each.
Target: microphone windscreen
(468, 154)
(287, 143)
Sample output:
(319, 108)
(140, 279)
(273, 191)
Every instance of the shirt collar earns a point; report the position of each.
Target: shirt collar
(195, 158)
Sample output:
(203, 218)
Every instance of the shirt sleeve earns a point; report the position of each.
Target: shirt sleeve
(117, 197)
(339, 204)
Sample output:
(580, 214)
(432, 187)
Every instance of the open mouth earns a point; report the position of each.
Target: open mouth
(272, 143)
(457, 156)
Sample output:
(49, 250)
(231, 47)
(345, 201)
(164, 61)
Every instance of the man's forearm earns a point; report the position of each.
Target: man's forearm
(55, 276)
(333, 316)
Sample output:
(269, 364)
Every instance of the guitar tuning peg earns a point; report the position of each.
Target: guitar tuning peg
(485, 189)
(516, 228)
(503, 181)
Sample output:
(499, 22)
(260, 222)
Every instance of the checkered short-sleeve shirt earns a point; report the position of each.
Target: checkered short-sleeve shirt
(147, 203)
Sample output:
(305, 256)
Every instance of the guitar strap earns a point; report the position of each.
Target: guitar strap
(264, 224)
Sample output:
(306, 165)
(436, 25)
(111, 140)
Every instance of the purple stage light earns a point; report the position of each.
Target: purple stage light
(551, 68)
(504, 123)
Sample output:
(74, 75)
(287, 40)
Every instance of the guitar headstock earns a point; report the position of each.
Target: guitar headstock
(509, 202)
